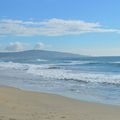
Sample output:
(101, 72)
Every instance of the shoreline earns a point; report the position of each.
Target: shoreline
(62, 95)
(20, 77)
(17, 104)
(65, 96)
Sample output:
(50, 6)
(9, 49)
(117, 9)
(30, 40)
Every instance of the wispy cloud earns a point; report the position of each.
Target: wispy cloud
(39, 46)
(16, 46)
(50, 27)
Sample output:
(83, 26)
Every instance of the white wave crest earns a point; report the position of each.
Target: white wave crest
(47, 71)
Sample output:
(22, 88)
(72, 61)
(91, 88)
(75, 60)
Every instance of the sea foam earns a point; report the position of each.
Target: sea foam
(51, 71)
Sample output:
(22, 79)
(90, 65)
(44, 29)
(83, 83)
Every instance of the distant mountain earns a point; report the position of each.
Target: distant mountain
(41, 54)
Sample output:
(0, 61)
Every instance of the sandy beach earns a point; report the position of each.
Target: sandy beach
(16, 104)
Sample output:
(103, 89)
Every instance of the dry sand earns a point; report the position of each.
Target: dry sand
(17, 104)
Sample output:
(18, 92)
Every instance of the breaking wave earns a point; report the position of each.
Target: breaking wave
(51, 71)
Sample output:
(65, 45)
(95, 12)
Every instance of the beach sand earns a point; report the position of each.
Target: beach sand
(16, 104)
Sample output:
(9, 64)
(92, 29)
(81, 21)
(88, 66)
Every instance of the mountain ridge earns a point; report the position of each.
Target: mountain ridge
(43, 54)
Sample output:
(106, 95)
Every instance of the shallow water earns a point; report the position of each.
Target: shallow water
(91, 79)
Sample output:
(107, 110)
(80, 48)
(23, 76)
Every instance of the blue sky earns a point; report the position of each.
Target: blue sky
(90, 27)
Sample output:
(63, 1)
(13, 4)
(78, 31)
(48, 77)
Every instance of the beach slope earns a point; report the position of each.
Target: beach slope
(17, 104)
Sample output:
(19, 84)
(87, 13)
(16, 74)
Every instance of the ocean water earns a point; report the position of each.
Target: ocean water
(95, 79)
